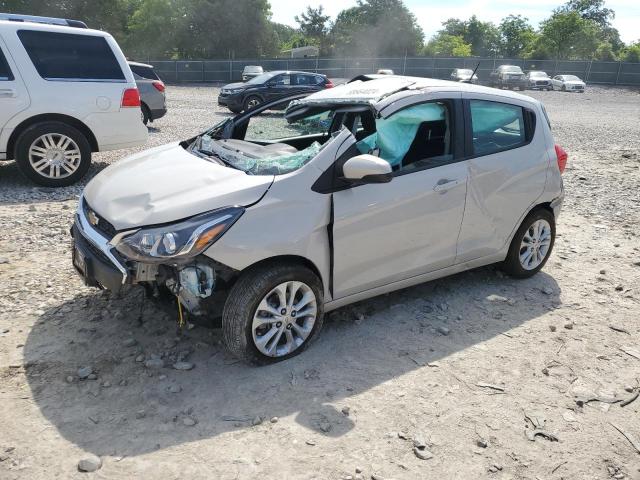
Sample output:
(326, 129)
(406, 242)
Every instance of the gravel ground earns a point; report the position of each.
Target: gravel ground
(444, 380)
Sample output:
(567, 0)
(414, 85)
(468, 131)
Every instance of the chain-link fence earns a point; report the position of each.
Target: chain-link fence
(184, 71)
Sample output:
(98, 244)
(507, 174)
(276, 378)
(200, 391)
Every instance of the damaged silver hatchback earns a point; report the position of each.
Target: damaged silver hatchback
(276, 216)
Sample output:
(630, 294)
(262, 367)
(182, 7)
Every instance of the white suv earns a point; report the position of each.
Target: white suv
(271, 220)
(65, 92)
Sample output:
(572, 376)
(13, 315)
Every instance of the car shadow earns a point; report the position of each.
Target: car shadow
(131, 409)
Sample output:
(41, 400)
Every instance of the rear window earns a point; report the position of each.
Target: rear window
(496, 126)
(144, 72)
(5, 71)
(66, 56)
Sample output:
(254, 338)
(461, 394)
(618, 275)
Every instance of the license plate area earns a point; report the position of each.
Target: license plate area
(79, 261)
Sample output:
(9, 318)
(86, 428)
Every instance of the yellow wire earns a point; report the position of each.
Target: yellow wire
(180, 318)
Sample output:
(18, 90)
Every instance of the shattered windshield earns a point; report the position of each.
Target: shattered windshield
(270, 144)
(572, 78)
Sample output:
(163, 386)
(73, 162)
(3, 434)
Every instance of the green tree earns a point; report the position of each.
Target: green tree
(314, 28)
(153, 28)
(516, 35)
(445, 45)
(226, 28)
(483, 37)
(566, 35)
(376, 28)
(596, 12)
(632, 53)
(593, 10)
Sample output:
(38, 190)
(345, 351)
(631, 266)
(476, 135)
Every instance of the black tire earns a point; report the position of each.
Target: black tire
(511, 264)
(244, 298)
(146, 114)
(564, 88)
(34, 132)
(522, 89)
(250, 102)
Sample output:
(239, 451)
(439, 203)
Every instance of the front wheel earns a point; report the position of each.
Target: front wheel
(53, 154)
(272, 313)
(251, 102)
(532, 244)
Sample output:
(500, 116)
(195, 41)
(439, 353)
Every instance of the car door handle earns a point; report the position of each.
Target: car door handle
(443, 185)
(7, 92)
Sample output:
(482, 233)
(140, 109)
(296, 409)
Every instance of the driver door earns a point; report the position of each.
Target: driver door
(279, 86)
(387, 232)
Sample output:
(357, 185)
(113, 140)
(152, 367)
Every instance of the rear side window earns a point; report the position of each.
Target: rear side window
(144, 72)
(497, 126)
(301, 79)
(5, 71)
(65, 56)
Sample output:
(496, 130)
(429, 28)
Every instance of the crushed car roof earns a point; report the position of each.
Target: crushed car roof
(372, 89)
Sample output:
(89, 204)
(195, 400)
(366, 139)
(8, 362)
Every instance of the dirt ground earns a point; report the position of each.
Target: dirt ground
(464, 367)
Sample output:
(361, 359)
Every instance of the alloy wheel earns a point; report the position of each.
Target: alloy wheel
(54, 155)
(284, 319)
(252, 103)
(535, 244)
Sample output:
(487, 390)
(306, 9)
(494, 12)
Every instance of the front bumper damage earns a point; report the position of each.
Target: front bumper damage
(200, 284)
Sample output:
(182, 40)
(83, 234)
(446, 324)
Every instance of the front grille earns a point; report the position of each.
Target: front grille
(107, 230)
(542, 82)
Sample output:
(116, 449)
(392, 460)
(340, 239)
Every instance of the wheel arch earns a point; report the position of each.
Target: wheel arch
(49, 117)
(289, 259)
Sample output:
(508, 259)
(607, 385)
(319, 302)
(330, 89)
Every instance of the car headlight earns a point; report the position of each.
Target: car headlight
(178, 241)
(233, 91)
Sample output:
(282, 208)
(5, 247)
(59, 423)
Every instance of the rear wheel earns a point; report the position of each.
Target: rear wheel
(53, 154)
(272, 313)
(532, 244)
(145, 114)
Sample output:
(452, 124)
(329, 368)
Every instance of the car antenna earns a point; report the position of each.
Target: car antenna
(473, 74)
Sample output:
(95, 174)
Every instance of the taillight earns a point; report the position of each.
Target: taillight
(562, 157)
(328, 84)
(130, 98)
(159, 85)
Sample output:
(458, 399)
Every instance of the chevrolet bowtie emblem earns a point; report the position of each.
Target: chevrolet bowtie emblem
(93, 218)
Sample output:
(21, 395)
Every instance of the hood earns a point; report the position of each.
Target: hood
(232, 86)
(166, 184)
(574, 82)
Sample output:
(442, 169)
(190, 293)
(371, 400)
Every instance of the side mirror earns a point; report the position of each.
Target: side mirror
(363, 169)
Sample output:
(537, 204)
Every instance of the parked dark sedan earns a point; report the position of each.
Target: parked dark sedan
(270, 86)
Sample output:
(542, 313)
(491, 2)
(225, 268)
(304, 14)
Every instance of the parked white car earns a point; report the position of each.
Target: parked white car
(351, 192)
(568, 83)
(65, 92)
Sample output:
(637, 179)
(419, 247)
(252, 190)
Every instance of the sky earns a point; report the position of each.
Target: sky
(431, 14)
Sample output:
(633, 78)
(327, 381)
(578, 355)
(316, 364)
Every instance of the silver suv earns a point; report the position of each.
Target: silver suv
(269, 221)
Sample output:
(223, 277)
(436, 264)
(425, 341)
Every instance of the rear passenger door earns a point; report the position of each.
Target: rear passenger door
(507, 164)
(13, 95)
